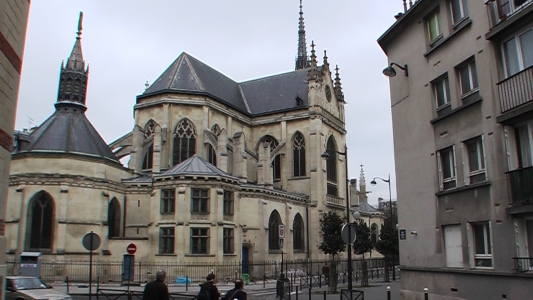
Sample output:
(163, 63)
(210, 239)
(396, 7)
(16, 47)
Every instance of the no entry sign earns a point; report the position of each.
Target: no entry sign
(131, 248)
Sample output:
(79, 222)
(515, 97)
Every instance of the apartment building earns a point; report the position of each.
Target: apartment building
(462, 108)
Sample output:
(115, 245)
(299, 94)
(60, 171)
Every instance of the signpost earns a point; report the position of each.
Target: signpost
(281, 234)
(348, 233)
(129, 264)
(131, 249)
(91, 241)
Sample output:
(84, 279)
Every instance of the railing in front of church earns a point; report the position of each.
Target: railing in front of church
(111, 271)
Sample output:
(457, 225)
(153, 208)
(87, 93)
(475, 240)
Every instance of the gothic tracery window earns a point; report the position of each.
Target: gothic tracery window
(148, 159)
(212, 155)
(331, 166)
(184, 141)
(276, 163)
(298, 150)
(113, 219)
(273, 231)
(298, 240)
(216, 129)
(40, 222)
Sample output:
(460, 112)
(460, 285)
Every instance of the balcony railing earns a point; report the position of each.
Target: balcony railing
(521, 185)
(523, 264)
(516, 90)
(503, 9)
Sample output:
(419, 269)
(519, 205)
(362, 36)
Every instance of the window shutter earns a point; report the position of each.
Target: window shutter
(466, 167)
(484, 157)
(503, 9)
(439, 167)
(454, 163)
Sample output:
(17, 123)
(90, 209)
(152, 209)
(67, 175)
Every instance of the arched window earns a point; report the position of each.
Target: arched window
(212, 154)
(298, 150)
(273, 231)
(331, 165)
(40, 220)
(113, 219)
(298, 240)
(276, 163)
(374, 234)
(149, 130)
(184, 141)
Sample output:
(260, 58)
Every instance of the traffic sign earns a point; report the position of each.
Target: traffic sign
(348, 233)
(131, 248)
(91, 241)
(281, 231)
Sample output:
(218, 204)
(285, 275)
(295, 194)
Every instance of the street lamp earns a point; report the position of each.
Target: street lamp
(325, 156)
(373, 182)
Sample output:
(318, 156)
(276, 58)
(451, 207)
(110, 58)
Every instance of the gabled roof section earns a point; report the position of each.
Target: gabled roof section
(260, 96)
(67, 131)
(189, 75)
(365, 207)
(196, 166)
(277, 92)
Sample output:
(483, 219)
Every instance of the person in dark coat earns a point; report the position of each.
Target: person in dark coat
(236, 292)
(157, 289)
(214, 294)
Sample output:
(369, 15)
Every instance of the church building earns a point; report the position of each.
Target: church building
(215, 167)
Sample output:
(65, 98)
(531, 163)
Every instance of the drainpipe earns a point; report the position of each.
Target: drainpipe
(124, 219)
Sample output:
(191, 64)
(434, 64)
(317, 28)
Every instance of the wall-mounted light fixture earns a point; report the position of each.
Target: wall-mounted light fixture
(414, 232)
(391, 72)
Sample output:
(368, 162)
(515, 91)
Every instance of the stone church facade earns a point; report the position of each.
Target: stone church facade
(215, 166)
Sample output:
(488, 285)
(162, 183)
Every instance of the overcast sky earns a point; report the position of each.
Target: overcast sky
(129, 42)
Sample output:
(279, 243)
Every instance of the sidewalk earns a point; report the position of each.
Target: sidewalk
(376, 291)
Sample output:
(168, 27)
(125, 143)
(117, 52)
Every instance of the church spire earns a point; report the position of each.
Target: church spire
(74, 75)
(301, 60)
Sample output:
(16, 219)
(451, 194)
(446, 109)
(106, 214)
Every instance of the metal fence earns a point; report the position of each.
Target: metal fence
(111, 271)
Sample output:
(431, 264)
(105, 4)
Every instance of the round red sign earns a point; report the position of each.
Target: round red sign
(131, 248)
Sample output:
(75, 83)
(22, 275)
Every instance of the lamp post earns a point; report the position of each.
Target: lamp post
(373, 182)
(325, 156)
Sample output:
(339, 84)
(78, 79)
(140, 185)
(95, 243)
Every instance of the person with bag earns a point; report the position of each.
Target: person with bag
(157, 289)
(208, 289)
(236, 292)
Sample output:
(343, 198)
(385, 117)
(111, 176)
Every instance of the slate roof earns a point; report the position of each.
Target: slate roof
(365, 207)
(259, 96)
(67, 131)
(195, 165)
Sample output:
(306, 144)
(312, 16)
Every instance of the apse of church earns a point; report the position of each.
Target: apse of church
(214, 166)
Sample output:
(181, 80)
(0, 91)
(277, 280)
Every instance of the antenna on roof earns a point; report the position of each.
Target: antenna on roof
(146, 85)
(30, 122)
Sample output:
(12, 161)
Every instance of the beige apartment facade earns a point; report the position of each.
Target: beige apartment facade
(461, 117)
(214, 168)
(13, 23)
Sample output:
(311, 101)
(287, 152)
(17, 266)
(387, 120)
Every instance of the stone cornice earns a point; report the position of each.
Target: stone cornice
(68, 180)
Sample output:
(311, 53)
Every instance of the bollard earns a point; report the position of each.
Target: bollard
(66, 280)
(296, 293)
(300, 284)
(388, 292)
(264, 279)
(186, 282)
(310, 292)
(319, 281)
(426, 296)
(325, 295)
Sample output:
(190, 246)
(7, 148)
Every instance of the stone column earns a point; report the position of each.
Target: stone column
(136, 158)
(240, 158)
(156, 165)
(222, 151)
(62, 210)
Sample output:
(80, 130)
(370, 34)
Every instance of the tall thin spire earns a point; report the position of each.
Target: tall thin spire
(301, 60)
(74, 75)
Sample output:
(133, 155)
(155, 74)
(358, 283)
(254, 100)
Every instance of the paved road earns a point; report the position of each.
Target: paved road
(376, 291)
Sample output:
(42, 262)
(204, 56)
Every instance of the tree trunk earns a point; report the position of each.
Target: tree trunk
(386, 272)
(333, 276)
(364, 273)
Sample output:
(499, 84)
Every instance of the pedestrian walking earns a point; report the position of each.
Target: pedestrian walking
(236, 292)
(208, 289)
(157, 289)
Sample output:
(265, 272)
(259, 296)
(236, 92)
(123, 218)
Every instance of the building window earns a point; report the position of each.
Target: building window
(434, 26)
(228, 241)
(442, 92)
(298, 151)
(228, 203)
(518, 52)
(276, 163)
(459, 10)
(482, 245)
(148, 159)
(374, 234)
(184, 141)
(468, 77)
(113, 218)
(200, 201)
(446, 160)
(454, 246)
(273, 231)
(166, 240)
(298, 240)
(168, 201)
(475, 155)
(41, 222)
(212, 155)
(524, 135)
(331, 167)
(529, 238)
(216, 129)
(199, 240)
